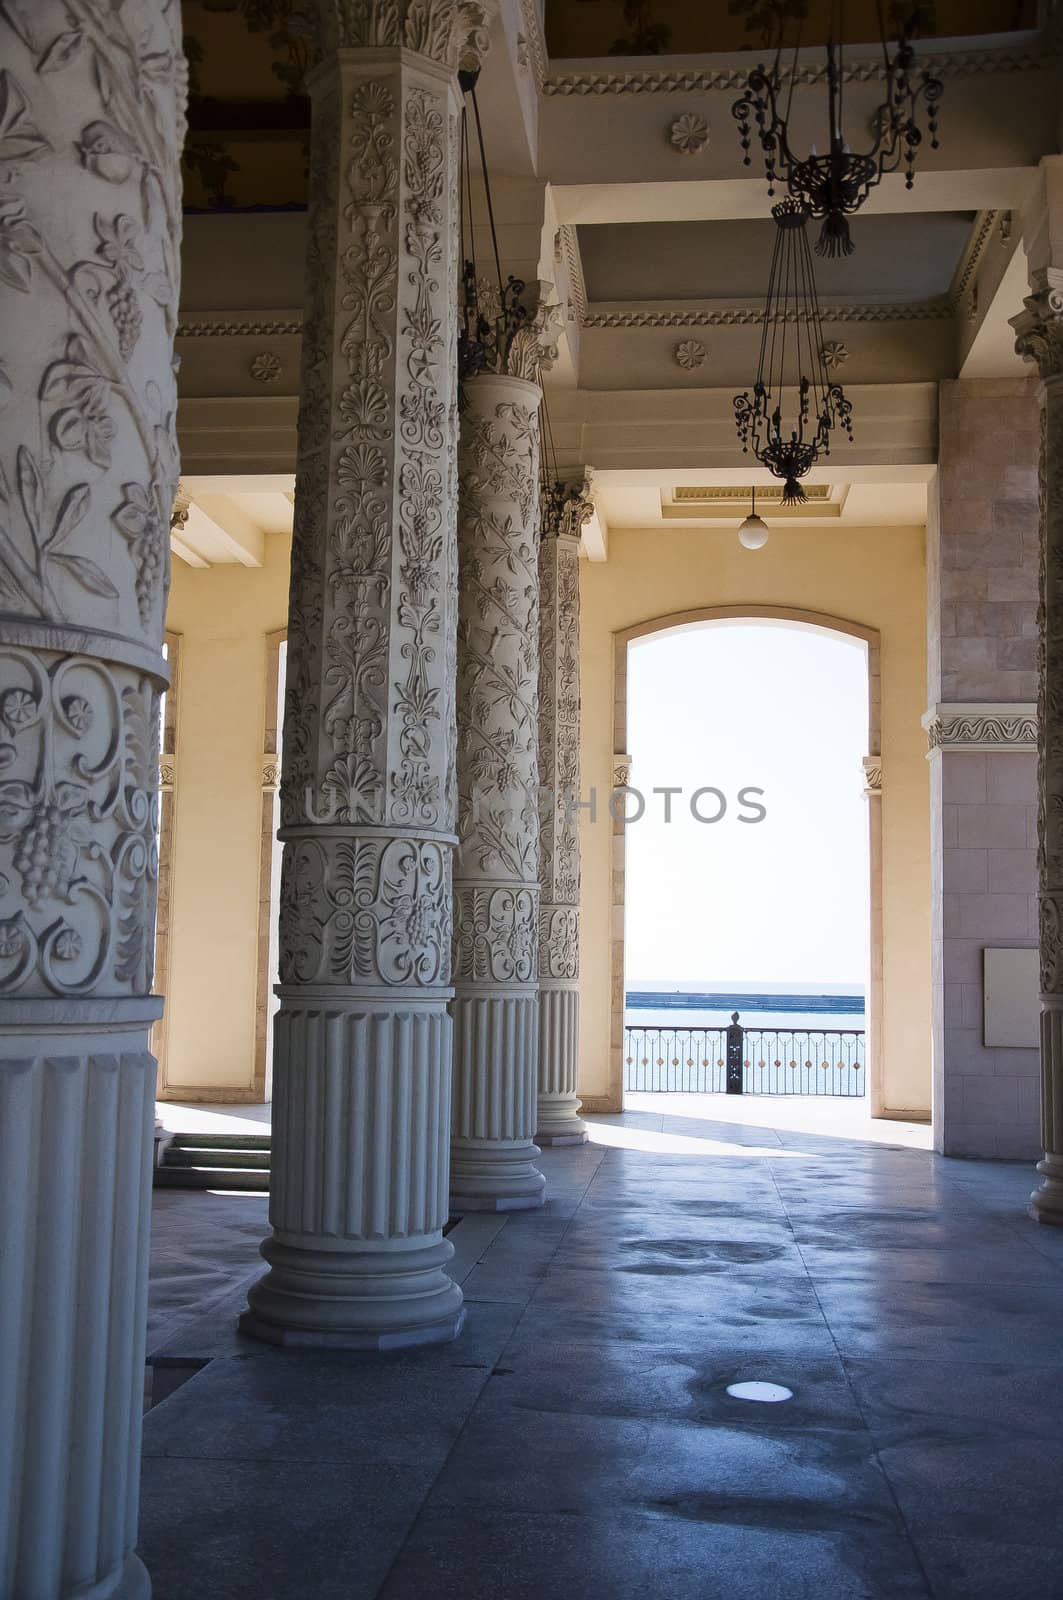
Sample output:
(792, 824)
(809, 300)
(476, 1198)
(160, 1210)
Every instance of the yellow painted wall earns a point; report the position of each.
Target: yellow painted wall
(876, 577)
(223, 615)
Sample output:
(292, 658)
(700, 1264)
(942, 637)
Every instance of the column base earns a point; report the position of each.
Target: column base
(354, 1300)
(560, 1121)
(553, 1139)
(305, 1339)
(1046, 1202)
(134, 1583)
(490, 1176)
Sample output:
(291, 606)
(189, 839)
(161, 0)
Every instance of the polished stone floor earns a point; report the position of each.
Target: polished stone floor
(579, 1440)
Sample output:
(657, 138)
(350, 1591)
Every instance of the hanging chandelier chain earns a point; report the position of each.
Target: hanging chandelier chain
(491, 313)
(792, 379)
(835, 184)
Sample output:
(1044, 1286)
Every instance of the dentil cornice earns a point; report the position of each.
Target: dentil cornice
(687, 80)
(723, 315)
(532, 29)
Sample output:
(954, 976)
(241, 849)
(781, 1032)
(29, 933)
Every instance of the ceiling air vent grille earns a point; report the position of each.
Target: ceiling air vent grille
(730, 494)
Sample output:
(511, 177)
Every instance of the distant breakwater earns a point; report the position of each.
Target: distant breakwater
(809, 1004)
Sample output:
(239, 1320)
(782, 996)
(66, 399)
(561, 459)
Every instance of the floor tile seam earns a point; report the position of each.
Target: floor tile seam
(887, 1480)
(274, 1460)
(691, 1425)
(563, 1236)
(1019, 1227)
(916, 1555)
(431, 1487)
(827, 1278)
(174, 1324)
(1045, 1256)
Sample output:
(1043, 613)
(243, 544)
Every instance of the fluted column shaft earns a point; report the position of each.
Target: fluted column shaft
(1039, 330)
(93, 104)
(558, 1119)
(496, 875)
(362, 1054)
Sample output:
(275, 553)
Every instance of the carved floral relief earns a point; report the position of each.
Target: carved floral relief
(79, 766)
(498, 644)
(96, 446)
(495, 935)
(91, 118)
(559, 732)
(357, 910)
(369, 732)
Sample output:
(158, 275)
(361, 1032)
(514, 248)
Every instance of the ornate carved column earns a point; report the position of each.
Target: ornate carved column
(496, 875)
(91, 103)
(559, 775)
(1039, 337)
(362, 1061)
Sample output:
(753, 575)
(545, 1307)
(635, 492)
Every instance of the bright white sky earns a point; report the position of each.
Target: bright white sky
(772, 705)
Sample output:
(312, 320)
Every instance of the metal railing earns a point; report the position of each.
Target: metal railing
(738, 1060)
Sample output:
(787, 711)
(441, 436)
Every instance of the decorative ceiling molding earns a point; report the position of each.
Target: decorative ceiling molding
(567, 250)
(226, 324)
(739, 494)
(730, 316)
(679, 80)
(532, 30)
(971, 259)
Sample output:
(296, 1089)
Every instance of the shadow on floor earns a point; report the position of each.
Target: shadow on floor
(579, 1438)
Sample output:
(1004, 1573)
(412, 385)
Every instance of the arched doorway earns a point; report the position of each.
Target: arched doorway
(840, 629)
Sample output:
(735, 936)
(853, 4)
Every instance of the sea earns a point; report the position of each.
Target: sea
(693, 1004)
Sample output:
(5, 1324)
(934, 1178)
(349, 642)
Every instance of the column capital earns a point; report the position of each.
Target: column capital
(182, 506)
(509, 329)
(450, 32)
(1039, 326)
(872, 766)
(566, 508)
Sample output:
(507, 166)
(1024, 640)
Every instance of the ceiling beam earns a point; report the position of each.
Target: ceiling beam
(595, 533)
(990, 353)
(185, 552)
(245, 540)
(727, 199)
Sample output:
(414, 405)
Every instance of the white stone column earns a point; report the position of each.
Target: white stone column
(496, 875)
(362, 1061)
(1039, 337)
(561, 518)
(92, 107)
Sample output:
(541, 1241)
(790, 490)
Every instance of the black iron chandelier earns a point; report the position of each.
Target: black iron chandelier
(835, 184)
(792, 370)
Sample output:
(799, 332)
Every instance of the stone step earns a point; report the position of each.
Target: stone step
(220, 1141)
(189, 1155)
(254, 1179)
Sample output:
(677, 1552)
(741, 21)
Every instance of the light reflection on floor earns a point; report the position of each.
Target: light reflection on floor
(718, 1124)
